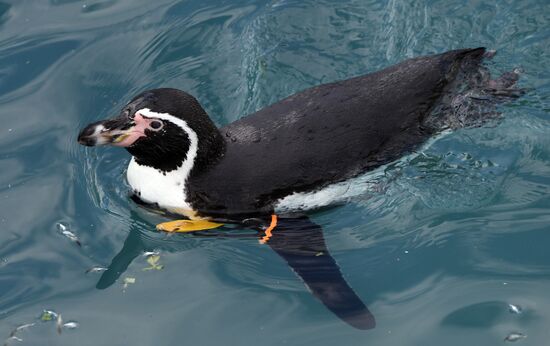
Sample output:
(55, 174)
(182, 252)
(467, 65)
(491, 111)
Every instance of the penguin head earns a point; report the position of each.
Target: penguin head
(161, 128)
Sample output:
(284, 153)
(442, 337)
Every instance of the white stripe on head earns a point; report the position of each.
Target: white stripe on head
(167, 189)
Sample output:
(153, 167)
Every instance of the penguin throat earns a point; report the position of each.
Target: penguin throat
(165, 190)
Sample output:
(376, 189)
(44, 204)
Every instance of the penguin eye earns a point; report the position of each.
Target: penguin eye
(156, 125)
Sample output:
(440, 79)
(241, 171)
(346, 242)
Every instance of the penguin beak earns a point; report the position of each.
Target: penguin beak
(120, 131)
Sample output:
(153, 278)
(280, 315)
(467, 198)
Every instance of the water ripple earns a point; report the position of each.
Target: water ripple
(437, 246)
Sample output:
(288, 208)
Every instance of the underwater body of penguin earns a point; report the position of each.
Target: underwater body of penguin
(261, 171)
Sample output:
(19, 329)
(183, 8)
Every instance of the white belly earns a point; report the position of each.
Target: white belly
(346, 190)
(332, 194)
(152, 186)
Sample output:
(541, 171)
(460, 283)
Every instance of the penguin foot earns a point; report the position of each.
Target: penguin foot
(182, 226)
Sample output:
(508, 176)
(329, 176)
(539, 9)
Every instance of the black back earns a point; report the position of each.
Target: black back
(324, 135)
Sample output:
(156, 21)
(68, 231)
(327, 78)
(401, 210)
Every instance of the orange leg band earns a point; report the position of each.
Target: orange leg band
(268, 230)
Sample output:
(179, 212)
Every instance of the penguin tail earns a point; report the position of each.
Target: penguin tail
(472, 95)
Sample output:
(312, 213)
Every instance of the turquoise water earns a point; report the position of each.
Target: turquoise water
(437, 252)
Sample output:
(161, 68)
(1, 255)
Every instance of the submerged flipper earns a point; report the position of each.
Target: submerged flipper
(300, 242)
(297, 240)
(132, 248)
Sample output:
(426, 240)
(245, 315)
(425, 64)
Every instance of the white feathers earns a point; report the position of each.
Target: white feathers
(332, 194)
(346, 190)
(167, 189)
(153, 186)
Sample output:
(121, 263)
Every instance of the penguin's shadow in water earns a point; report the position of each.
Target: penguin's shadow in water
(298, 240)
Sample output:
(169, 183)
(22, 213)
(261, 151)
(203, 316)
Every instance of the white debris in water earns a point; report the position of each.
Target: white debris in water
(515, 309)
(13, 333)
(513, 337)
(128, 281)
(48, 315)
(71, 325)
(13, 338)
(24, 326)
(64, 229)
(151, 253)
(96, 269)
(59, 324)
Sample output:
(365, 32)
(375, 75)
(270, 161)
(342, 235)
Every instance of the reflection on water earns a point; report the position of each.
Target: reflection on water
(437, 250)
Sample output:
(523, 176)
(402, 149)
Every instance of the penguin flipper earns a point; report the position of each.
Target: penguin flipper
(132, 248)
(301, 244)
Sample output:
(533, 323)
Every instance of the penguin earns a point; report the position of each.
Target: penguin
(262, 169)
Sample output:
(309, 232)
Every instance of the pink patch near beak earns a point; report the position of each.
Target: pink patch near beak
(137, 131)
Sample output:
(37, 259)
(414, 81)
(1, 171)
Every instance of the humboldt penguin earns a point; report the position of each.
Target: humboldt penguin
(267, 168)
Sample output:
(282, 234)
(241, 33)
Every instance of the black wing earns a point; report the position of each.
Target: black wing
(300, 242)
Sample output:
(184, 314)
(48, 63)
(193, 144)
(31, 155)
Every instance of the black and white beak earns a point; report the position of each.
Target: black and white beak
(121, 131)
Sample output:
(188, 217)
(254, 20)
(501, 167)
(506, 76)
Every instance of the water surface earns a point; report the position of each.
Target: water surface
(437, 253)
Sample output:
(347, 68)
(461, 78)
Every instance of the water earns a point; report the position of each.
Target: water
(438, 252)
